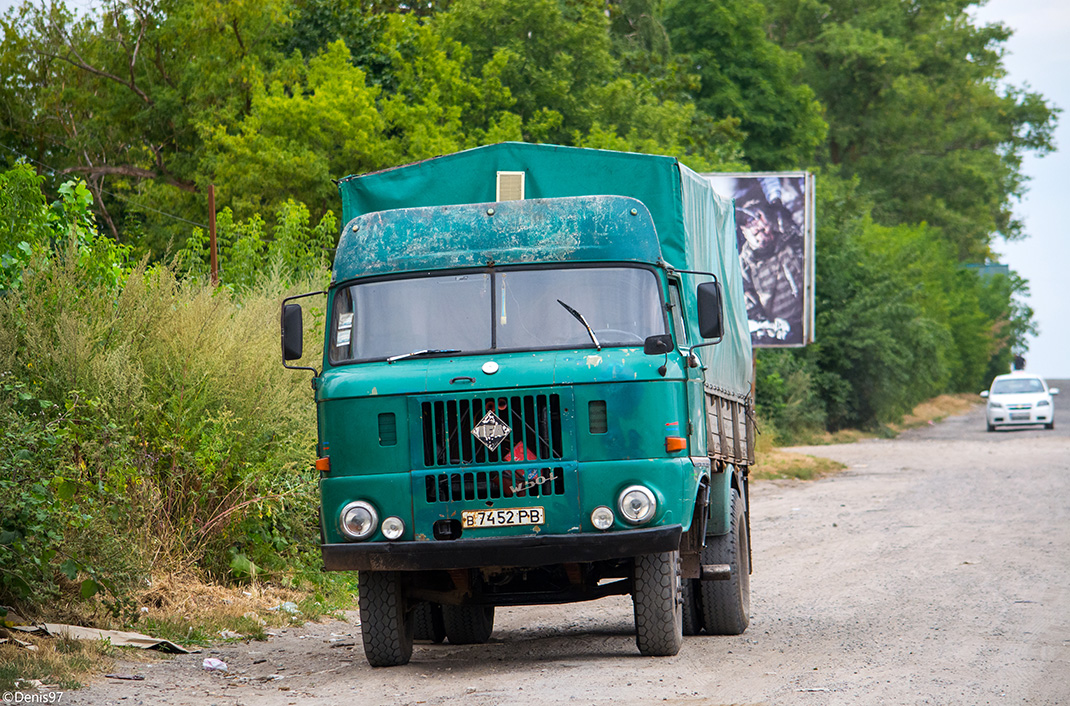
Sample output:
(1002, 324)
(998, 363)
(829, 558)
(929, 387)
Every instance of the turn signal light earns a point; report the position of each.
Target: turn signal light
(675, 443)
(323, 464)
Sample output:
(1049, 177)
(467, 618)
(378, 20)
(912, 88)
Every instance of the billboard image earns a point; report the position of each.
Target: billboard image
(775, 239)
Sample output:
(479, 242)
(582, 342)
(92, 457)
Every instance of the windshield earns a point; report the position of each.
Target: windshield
(503, 310)
(1013, 386)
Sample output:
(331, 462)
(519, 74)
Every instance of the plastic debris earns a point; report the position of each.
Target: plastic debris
(251, 615)
(211, 664)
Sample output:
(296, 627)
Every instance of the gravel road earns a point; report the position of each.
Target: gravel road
(934, 570)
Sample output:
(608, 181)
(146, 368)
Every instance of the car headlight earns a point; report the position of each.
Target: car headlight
(1043, 403)
(358, 520)
(994, 405)
(637, 504)
(602, 517)
(393, 527)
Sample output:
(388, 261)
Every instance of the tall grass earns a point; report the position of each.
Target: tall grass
(149, 426)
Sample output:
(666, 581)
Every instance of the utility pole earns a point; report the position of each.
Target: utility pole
(211, 236)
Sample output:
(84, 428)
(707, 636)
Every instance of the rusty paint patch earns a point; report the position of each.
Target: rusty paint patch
(576, 229)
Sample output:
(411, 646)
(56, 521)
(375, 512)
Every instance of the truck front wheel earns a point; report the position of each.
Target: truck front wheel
(656, 595)
(386, 625)
(726, 604)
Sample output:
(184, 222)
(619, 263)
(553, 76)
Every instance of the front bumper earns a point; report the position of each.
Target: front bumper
(1021, 417)
(499, 551)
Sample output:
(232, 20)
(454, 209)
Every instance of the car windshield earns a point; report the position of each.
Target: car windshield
(502, 310)
(1013, 386)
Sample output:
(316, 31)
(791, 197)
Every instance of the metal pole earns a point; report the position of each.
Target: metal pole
(211, 235)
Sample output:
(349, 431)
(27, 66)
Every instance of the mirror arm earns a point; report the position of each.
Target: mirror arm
(673, 271)
(691, 350)
(285, 301)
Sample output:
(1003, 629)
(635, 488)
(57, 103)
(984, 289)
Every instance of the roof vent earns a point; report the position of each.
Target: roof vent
(510, 186)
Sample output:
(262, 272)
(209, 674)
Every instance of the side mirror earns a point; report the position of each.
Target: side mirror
(1053, 390)
(710, 314)
(292, 332)
(984, 394)
(657, 345)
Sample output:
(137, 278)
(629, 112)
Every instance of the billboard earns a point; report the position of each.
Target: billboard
(775, 240)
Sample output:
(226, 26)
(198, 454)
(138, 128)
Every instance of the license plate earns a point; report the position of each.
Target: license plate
(1019, 416)
(506, 517)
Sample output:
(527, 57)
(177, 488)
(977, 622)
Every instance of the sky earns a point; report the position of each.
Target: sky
(1037, 54)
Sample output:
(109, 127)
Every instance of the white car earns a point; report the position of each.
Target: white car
(1020, 398)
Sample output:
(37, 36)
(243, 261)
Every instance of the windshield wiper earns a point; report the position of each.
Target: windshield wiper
(426, 351)
(579, 317)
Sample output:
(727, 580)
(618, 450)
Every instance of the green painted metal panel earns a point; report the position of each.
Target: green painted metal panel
(674, 482)
(720, 522)
(349, 435)
(459, 373)
(639, 416)
(389, 493)
(580, 229)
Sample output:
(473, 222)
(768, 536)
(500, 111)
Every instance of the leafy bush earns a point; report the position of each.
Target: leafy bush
(786, 398)
(147, 422)
(246, 258)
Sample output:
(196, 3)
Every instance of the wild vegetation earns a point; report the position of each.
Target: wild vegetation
(147, 425)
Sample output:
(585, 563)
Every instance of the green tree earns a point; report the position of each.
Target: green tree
(746, 76)
(914, 109)
(556, 58)
(116, 95)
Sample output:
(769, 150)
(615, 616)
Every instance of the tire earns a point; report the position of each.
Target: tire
(428, 623)
(656, 596)
(991, 427)
(1050, 425)
(385, 623)
(726, 604)
(468, 624)
(692, 607)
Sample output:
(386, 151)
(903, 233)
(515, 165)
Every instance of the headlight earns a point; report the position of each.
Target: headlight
(637, 504)
(1043, 403)
(393, 527)
(602, 517)
(358, 520)
(994, 405)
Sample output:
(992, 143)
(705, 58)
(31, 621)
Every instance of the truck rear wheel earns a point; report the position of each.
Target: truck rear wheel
(385, 624)
(692, 606)
(726, 604)
(428, 623)
(468, 624)
(656, 596)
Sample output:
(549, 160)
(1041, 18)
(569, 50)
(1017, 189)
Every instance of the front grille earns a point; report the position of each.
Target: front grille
(534, 422)
(494, 484)
(1025, 405)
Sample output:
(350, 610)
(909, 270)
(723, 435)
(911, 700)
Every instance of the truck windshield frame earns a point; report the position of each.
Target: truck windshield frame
(492, 310)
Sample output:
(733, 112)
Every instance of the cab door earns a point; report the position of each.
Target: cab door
(696, 392)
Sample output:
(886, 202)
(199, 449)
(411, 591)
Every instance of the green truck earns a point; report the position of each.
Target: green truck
(535, 389)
